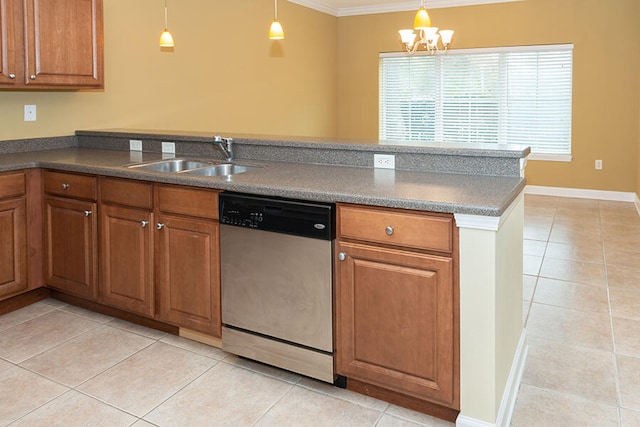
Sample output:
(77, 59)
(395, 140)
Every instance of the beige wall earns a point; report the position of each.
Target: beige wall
(322, 80)
(606, 110)
(224, 75)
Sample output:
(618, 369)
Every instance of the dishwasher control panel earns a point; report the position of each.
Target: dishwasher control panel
(241, 218)
(297, 217)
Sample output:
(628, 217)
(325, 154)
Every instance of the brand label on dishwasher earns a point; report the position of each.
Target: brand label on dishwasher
(319, 226)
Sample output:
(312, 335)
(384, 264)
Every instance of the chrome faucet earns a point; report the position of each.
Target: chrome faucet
(226, 145)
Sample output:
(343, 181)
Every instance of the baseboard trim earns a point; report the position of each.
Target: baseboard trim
(510, 394)
(579, 193)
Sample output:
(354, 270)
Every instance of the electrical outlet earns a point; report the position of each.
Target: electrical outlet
(135, 145)
(384, 161)
(29, 113)
(598, 164)
(169, 147)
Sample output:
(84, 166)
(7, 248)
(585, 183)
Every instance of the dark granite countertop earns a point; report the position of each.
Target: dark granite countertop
(474, 150)
(437, 192)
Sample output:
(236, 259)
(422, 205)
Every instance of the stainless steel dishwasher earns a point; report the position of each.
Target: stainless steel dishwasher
(277, 282)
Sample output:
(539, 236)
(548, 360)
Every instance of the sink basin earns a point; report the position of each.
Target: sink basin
(193, 167)
(173, 165)
(220, 170)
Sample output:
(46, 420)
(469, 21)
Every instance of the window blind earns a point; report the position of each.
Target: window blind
(517, 95)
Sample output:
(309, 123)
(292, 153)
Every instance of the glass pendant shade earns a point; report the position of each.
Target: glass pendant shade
(166, 39)
(276, 32)
(446, 36)
(422, 20)
(407, 36)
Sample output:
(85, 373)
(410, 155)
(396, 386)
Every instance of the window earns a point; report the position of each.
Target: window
(517, 95)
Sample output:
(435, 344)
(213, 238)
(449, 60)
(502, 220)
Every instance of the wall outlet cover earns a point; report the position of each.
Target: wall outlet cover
(169, 147)
(135, 145)
(384, 161)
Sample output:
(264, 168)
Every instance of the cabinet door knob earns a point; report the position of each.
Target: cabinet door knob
(389, 230)
(32, 76)
(12, 76)
(87, 213)
(65, 186)
(143, 224)
(159, 226)
(342, 256)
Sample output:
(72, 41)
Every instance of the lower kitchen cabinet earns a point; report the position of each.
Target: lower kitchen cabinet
(396, 307)
(13, 247)
(188, 273)
(159, 252)
(126, 259)
(71, 246)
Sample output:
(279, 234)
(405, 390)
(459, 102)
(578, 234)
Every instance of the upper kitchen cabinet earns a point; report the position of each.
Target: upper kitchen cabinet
(57, 44)
(8, 48)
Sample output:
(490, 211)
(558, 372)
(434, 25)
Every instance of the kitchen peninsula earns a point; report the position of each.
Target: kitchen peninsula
(480, 188)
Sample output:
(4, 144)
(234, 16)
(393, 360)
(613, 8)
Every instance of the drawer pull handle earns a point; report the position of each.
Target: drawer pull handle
(159, 226)
(87, 213)
(12, 76)
(65, 186)
(389, 231)
(143, 224)
(342, 256)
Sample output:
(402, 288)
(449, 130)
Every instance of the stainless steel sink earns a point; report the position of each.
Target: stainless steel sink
(193, 167)
(221, 170)
(173, 165)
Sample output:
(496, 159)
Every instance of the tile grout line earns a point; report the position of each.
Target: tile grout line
(616, 373)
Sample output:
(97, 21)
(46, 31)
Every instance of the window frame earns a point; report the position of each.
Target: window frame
(562, 157)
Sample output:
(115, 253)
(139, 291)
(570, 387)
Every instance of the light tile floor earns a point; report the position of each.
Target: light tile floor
(61, 365)
(582, 314)
(64, 366)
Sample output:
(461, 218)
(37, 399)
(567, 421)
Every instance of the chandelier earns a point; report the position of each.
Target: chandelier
(427, 37)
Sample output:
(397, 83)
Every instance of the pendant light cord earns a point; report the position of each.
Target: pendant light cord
(166, 25)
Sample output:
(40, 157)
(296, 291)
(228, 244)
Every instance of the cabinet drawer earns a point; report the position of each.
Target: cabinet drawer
(126, 192)
(70, 185)
(188, 201)
(12, 185)
(396, 227)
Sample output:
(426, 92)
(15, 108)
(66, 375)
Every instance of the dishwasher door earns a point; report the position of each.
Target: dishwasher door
(278, 285)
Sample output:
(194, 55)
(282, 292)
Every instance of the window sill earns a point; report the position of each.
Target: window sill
(551, 157)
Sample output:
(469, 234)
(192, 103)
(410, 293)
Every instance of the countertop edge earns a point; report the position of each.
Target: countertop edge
(501, 204)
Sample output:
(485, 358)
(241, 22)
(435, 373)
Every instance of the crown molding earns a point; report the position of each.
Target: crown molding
(322, 6)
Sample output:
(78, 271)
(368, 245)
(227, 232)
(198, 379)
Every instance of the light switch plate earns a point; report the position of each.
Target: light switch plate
(29, 113)
(135, 145)
(169, 147)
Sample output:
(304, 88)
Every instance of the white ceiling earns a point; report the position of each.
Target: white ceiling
(365, 7)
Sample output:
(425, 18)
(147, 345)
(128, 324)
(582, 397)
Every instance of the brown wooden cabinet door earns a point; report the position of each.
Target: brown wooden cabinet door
(395, 320)
(71, 246)
(187, 262)
(9, 48)
(126, 272)
(13, 248)
(64, 43)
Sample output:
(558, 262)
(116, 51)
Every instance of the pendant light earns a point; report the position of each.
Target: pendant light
(276, 32)
(166, 39)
